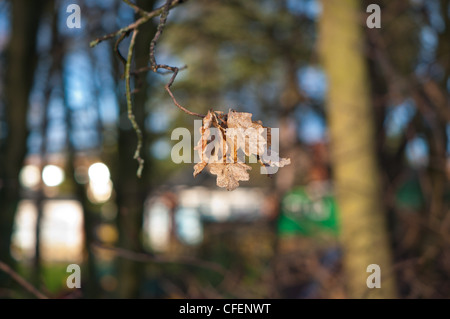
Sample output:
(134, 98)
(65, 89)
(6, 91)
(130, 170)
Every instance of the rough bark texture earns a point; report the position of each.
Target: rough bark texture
(356, 174)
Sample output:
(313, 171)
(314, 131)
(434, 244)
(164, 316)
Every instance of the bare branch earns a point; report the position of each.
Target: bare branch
(122, 33)
(155, 67)
(167, 87)
(139, 10)
(159, 31)
(21, 281)
(116, 48)
(137, 154)
(135, 24)
(149, 68)
(142, 257)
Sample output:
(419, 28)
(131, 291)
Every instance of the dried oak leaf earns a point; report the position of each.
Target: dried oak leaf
(229, 174)
(213, 151)
(198, 168)
(234, 130)
(244, 133)
(267, 160)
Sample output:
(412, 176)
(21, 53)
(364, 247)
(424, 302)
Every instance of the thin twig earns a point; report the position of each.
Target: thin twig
(159, 31)
(164, 12)
(139, 10)
(135, 24)
(116, 48)
(21, 281)
(149, 68)
(137, 154)
(143, 257)
(155, 67)
(167, 87)
(122, 33)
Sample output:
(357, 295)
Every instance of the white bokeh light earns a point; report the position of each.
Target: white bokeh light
(99, 173)
(52, 175)
(100, 185)
(30, 176)
(100, 192)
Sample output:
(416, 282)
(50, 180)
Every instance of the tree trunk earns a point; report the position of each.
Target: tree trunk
(21, 62)
(132, 191)
(364, 233)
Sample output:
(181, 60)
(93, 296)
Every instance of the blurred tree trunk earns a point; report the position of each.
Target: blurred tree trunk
(364, 235)
(438, 138)
(21, 62)
(56, 53)
(90, 285)
(132, 191)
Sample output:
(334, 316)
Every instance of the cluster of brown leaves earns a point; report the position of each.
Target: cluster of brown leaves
(218, 149)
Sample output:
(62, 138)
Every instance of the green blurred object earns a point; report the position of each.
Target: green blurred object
(410, 195)
(307, 213)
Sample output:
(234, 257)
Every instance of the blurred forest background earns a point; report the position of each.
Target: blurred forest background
(363, 114)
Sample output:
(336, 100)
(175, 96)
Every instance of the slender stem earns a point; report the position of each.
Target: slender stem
(149, 68)
(143, 257)
(141, 11)
(164, 12)
(155, 67)
(167, 87)
(159, 31)
(135, 24)
(116, 48)
(21, 281)
(137, 154)
(122, 33)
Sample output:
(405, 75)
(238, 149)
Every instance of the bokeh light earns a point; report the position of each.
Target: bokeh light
(100, 185)
(30, 176)
(52, 175)
(99, 173)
